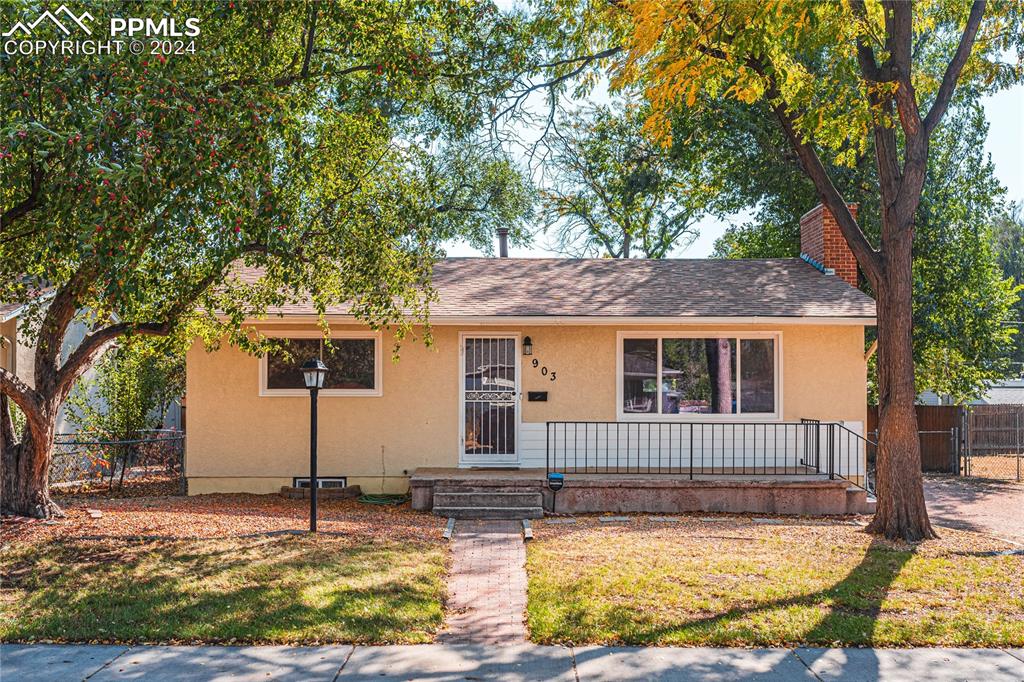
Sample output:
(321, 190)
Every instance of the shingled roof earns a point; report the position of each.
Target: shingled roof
(670, 288)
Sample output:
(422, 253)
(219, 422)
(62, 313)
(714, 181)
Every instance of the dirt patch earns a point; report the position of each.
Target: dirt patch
(975, 504)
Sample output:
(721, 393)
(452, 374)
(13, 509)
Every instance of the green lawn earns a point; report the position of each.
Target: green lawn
(737, 583)
(282, 589)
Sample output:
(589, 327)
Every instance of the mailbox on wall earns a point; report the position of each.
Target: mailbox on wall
(537, 396)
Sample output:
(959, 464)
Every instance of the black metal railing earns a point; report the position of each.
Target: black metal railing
(805, 448)
(864, 450)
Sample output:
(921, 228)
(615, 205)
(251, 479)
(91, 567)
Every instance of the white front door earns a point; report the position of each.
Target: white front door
(489, 400)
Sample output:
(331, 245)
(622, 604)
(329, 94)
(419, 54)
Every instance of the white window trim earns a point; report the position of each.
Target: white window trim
(717, 334)
(378, 374)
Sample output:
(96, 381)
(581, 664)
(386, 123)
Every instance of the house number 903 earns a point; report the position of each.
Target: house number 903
(544, 371)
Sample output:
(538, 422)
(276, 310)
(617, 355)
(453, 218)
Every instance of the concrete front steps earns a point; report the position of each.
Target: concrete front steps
(488, 500)
(522, 494)
(858, 501)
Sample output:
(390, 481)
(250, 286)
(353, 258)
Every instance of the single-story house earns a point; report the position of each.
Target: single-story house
(696, 372)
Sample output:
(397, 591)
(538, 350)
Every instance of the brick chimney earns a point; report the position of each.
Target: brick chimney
(823, 243)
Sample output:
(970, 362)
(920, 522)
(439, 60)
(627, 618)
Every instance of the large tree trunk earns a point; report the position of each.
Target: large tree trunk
(25, 468)
(901, 511)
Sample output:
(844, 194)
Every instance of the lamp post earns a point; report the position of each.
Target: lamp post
(313, 373)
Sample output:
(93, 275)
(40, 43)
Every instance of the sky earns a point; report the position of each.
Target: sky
(1005, 146)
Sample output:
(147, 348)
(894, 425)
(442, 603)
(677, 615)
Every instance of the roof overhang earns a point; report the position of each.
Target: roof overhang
(11, 314)
(571, 320)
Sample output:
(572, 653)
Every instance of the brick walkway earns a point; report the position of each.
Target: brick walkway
(487, 585)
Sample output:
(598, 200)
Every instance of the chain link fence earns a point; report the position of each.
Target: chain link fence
(86, 458)
(994, 442)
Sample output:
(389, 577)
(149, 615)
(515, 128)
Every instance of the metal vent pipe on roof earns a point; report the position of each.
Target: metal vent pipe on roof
(503, 242)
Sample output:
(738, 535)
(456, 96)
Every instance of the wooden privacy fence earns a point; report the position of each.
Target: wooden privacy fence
(939, 428)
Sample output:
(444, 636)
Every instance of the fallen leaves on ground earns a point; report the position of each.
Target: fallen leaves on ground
(145, 485)
(218, 516)
(799, 531)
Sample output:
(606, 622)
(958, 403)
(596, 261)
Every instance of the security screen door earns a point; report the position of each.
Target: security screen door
(490, 400)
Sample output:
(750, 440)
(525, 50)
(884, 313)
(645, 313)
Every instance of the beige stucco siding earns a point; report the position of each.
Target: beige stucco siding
(238, 440)
(8, 342)
(19, 353)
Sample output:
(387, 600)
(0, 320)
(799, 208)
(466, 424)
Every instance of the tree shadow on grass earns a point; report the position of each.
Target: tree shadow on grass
(290, 592)
(853, 606)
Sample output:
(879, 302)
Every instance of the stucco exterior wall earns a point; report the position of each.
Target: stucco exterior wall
(19, 352)
(240, 441)
(8, 341)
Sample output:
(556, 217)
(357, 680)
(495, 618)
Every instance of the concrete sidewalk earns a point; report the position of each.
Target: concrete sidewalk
(439, 662)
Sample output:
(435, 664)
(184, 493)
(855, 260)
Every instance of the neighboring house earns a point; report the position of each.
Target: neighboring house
(1005, 392)
(703, 368)
(17, 354)
(932, 398)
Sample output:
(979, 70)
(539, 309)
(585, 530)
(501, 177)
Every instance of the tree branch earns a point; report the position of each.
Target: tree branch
(97, 342)
(868, 258)
(29, 203)
(60, 311)
(583, 62)
(865, 55)
(954, 68)
(866, 255)
(23, 395)
(314, 13)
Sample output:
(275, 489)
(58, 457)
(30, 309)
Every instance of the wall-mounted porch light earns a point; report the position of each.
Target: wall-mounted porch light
(527, 346)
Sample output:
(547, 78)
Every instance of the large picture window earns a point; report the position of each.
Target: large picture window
(687, 375)
(353, 366)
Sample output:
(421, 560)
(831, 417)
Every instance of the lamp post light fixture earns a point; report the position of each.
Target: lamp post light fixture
(313, 373)
(527, 346)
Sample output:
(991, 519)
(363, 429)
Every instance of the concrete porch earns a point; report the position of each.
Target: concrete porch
(522, 493)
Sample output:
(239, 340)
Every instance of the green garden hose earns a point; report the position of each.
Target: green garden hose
(383, 499)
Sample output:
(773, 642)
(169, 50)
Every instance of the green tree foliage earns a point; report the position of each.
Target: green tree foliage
(333, 145)
(613, 191)
(131, 390)
(961, 297)
(1008, 236)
